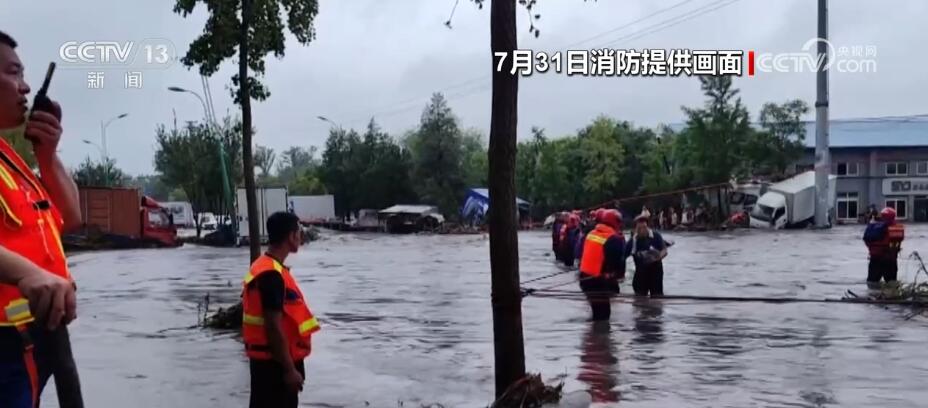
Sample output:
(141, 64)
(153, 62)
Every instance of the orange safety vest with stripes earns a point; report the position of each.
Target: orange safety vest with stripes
(30, 227)
(298, 322)
(591, 263)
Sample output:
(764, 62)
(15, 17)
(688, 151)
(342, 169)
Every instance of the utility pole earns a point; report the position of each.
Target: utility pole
(822, 154)
(506, 298)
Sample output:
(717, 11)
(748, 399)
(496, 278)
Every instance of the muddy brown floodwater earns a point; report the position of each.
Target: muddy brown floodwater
(407, 318)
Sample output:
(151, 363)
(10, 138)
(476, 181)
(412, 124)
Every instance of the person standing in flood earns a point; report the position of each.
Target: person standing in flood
(559, 221)
(37, 292)
(277, 325)
(884, 242)
(602, 263)
(571, 233)
(648, 250)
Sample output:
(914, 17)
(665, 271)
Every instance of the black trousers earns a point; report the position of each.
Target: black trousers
(885, 269)
(267, 385)
(598, 292)
(649, 279)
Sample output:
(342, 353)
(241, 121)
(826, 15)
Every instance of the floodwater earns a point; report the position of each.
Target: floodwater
(407, 319)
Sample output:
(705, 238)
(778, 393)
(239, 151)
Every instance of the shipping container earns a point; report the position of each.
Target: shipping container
(112, 210)
(269, 200)
(313, 208)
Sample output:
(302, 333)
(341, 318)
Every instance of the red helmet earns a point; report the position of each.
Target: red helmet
(888, 215)
(573, 221)
(612, 218)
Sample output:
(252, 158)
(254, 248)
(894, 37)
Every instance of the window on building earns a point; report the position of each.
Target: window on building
(847, 206)
(848, 169)
(921, 168)
(897, 169)
(898, 204)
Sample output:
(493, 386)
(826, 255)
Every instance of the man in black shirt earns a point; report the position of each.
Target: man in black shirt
(277, 375)
(648, 249)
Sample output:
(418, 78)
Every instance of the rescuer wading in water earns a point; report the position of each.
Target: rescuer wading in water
(277, 325)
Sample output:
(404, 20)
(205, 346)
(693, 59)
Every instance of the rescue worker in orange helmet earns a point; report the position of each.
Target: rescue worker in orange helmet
(277, 325)
(36, 290)
(884, 242)
(602, 263)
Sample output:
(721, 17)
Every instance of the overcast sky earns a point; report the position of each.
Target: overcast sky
(384, 58)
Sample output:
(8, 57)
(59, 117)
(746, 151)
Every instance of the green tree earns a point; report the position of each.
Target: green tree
(716, 135)
(154, 187)
(339, 173)
(384, 167)
(780, 140)
(264, 160)
(437, 157)
(307, 184)
(99, 174)
(294, 162)
(257, 31)
(475, 165)
(189, 158)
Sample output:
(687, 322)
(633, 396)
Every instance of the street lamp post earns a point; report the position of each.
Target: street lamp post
(105, 153)
(325, 119)
(213, 127)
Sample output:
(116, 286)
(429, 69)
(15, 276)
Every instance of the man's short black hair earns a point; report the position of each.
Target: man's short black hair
(6, 39)
(280, 225)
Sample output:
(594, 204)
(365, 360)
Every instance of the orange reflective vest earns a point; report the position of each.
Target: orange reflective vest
(298, 322)
(891, 244)
(30, 227)
(591, 263)
(894, 236)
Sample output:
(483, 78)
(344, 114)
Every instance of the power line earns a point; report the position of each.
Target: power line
(675, 20)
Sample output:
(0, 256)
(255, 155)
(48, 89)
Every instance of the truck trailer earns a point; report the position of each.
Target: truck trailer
(269, 201)
(791, 203)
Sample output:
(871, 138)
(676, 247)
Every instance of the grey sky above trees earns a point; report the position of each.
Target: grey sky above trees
(385, 59)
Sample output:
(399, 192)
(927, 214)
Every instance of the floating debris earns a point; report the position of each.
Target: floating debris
(529, 392)
(225, 318)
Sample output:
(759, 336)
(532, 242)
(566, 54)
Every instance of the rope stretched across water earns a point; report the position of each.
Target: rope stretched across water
(563, 294)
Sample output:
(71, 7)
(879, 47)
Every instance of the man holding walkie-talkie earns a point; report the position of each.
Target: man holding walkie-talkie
(37, 297)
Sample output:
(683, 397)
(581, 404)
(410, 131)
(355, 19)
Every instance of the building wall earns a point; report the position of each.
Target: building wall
(873, 184)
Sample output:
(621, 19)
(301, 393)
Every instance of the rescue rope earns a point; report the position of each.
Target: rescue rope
(547, 276)
(574, 295)
(685, 190)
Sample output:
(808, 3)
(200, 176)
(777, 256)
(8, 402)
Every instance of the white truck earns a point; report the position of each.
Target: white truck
(313, 208)
(269, 201)
(182, 212)
(790, 203)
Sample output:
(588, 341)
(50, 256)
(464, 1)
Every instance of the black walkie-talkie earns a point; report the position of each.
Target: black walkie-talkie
(42, 102)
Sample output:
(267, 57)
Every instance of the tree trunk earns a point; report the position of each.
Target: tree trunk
(504, 249)
(254, 238)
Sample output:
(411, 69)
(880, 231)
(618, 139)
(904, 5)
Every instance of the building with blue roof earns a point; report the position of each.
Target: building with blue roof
(881, 162)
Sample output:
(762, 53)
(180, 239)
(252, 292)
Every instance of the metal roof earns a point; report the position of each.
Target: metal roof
(410, 209)
(486, 193)
(872, 133)
(876, 132)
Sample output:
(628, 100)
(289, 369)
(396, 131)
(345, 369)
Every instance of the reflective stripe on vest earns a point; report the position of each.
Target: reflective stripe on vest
(27, 218)
(16, 313)
(297, 323)
(591, 263)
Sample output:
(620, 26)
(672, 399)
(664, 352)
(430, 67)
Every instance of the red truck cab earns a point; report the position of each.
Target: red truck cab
(157, 223)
